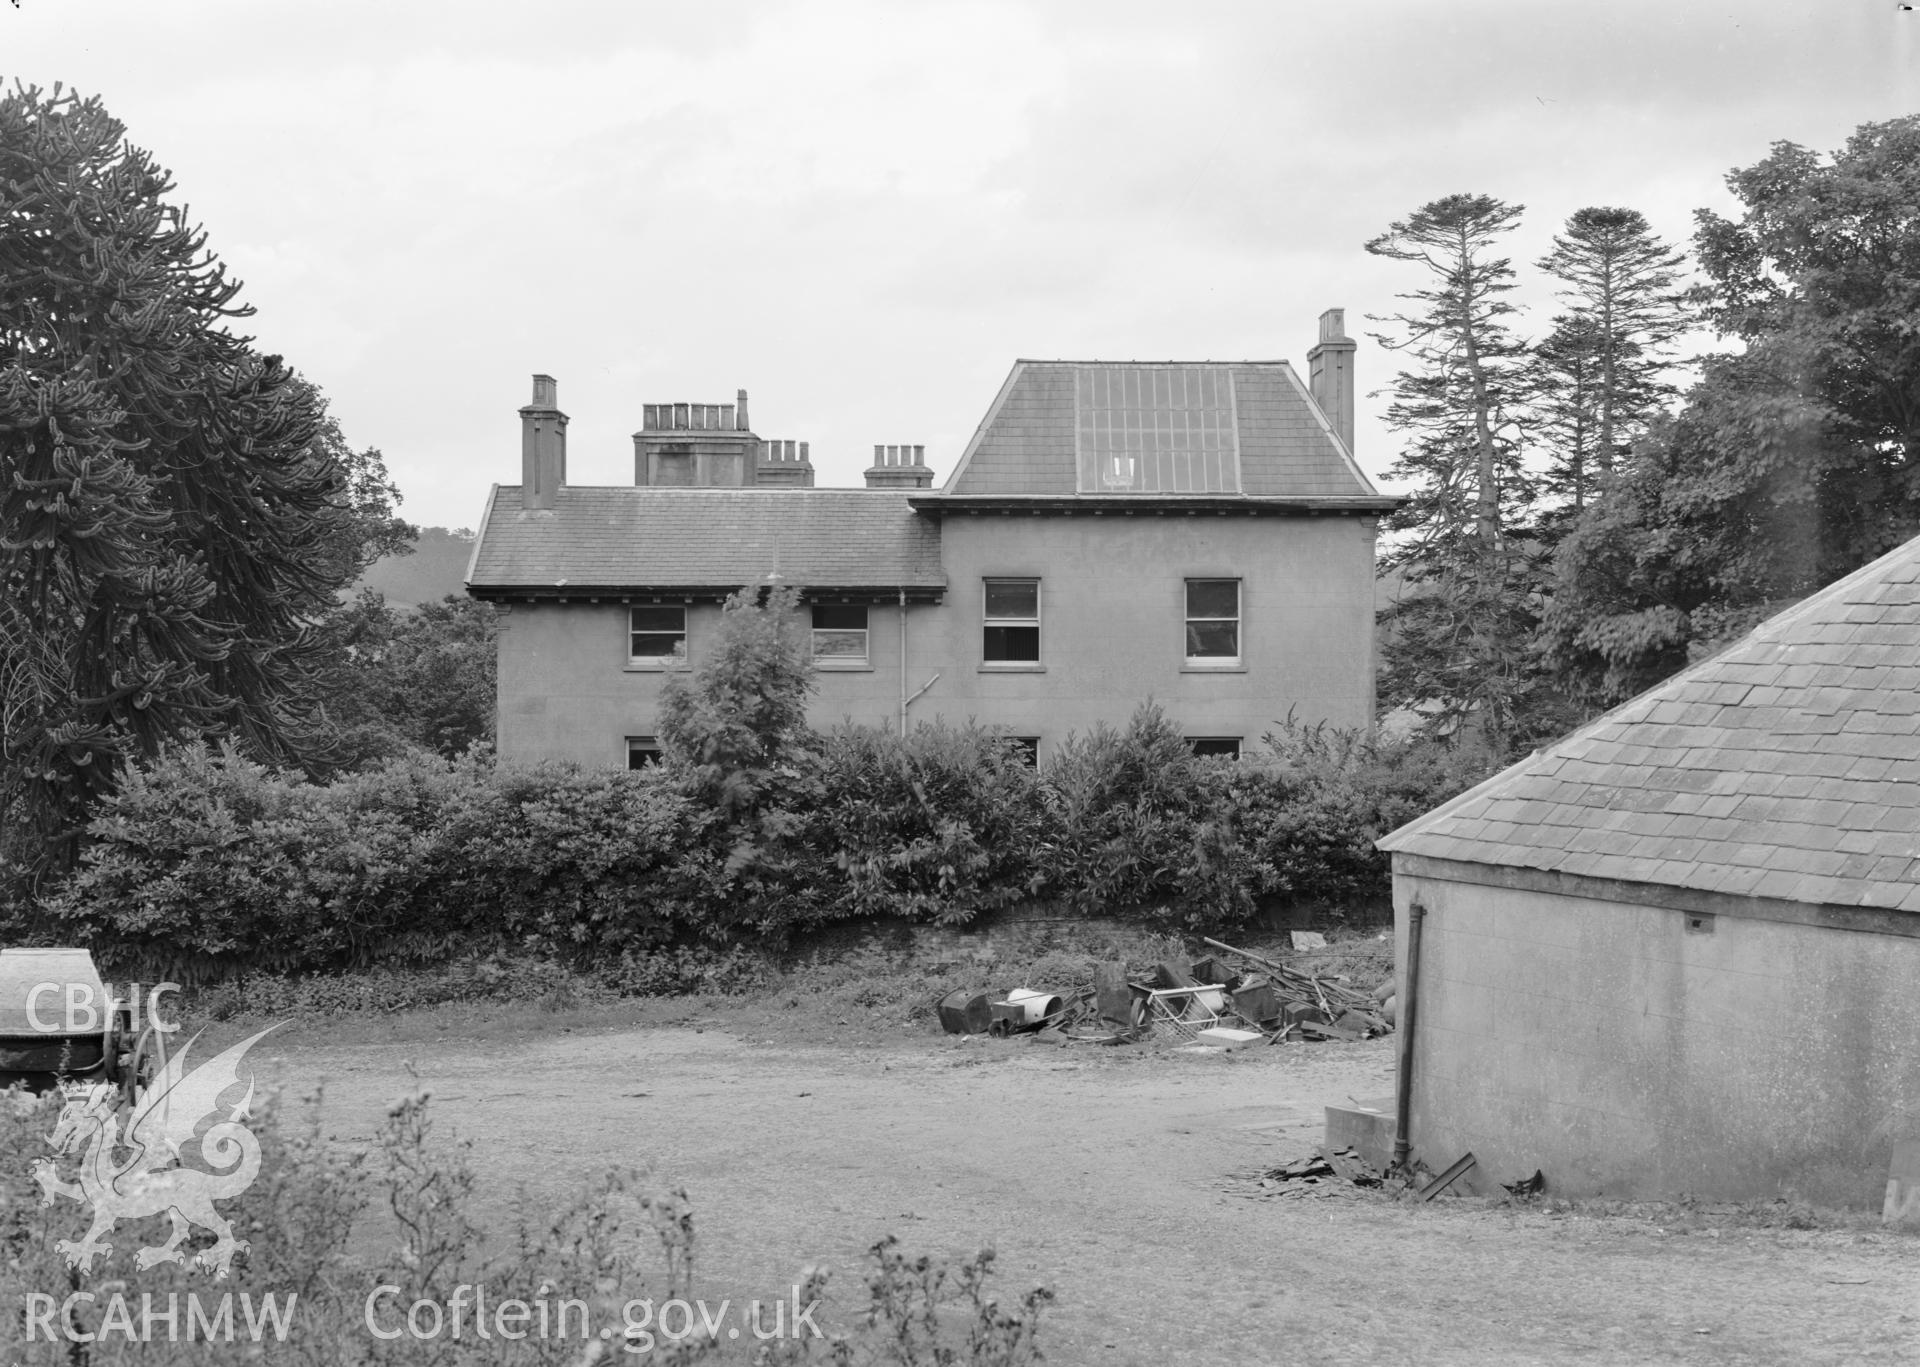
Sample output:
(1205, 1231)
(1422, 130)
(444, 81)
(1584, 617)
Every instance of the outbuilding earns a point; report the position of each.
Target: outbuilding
(1679, 950)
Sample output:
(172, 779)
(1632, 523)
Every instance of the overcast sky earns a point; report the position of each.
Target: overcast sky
(862, 213)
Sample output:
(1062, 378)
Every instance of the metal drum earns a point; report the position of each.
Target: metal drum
(965, 1013)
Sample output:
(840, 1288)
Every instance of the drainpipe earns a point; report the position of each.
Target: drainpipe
(1403, 1079)
(907, 699)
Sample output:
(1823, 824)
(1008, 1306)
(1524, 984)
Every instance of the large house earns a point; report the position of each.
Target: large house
(1194, 532)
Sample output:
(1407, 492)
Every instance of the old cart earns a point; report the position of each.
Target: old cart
(58, 1023)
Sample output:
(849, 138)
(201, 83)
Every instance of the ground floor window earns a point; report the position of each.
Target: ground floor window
(642, 752)
(1215, 745)
(1029, 749)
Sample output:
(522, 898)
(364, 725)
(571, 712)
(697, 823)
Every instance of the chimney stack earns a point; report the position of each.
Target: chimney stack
(543, 446)
(1330, 374)
(784, 464)
(899, 467)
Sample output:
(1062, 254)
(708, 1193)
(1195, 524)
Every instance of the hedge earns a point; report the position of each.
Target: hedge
(204, 863)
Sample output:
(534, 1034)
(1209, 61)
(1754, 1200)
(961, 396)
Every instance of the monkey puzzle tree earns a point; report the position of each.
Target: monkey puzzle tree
(172, 522)
(1457, 639)
(1602, 372)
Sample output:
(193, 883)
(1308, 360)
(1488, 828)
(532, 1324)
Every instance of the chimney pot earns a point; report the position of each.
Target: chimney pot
(740, 410)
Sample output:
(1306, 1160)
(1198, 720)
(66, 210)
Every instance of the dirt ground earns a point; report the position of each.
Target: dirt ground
(1118, 1177)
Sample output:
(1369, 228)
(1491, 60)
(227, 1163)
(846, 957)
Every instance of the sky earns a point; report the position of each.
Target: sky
(863, 213)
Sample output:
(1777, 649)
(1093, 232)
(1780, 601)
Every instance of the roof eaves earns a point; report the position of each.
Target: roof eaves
(1308, 503)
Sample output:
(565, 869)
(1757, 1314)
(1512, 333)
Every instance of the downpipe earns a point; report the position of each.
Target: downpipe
(1403, 1079)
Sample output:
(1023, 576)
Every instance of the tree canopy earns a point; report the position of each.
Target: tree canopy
(175, 514)
(1794, 460)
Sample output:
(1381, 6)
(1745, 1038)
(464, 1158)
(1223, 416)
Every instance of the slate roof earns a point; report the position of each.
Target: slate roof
(1786, 767)
(640, 537)
(1026, 443)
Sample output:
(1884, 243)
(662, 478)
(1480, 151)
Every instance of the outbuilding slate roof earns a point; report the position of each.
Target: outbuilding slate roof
(1026, 445)
(640, 537)
(1786, 767)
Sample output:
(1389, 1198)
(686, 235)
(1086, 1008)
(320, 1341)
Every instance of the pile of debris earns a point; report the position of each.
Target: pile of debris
(1231, 997)
(1349, 1172)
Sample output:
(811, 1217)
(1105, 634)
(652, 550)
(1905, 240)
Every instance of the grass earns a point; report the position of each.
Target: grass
(870, 988)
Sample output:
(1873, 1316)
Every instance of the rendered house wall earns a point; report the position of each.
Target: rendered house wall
(1112, 634)
(1112, 605)
(568, 692)
(1623, 1054)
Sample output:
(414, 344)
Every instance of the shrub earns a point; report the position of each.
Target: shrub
(1127, 809)
(940, 825)
(1317, 798)
(205, 863)
(578, 863)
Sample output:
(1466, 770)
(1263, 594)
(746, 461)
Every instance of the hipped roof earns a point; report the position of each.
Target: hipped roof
(638, 538)
(1786, 767)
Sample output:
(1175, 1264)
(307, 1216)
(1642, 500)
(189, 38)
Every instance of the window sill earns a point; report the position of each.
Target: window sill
(1012, 667)
(1225, 667)
(651, 667)
(843, 666)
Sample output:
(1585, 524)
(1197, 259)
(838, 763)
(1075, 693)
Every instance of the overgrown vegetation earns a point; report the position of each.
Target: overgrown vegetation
(207, 864)
(615, 1254)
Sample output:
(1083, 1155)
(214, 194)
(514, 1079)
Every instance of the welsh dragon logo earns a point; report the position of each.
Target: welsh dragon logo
(166, 1116)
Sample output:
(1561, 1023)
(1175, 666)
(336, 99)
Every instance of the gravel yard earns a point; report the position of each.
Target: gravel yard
(1121, 1178)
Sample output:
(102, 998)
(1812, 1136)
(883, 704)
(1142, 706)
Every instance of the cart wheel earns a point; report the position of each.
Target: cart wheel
(148, 1056)
(110, 1047)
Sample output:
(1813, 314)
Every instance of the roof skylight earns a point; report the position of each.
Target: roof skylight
(1156, 430)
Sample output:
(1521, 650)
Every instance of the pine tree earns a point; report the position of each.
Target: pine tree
(172, 525)
(1603, 370)
(1456, 645)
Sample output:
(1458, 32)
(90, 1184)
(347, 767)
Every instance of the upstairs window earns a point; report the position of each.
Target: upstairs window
(656, 633)
(1012, 634)
(1205, 746)
(643, 752)
(1213, 621)
(840, 633)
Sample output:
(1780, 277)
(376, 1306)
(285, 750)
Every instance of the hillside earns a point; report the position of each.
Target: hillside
(437, 567)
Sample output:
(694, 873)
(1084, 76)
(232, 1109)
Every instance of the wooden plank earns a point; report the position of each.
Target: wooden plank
(1447, 1178)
